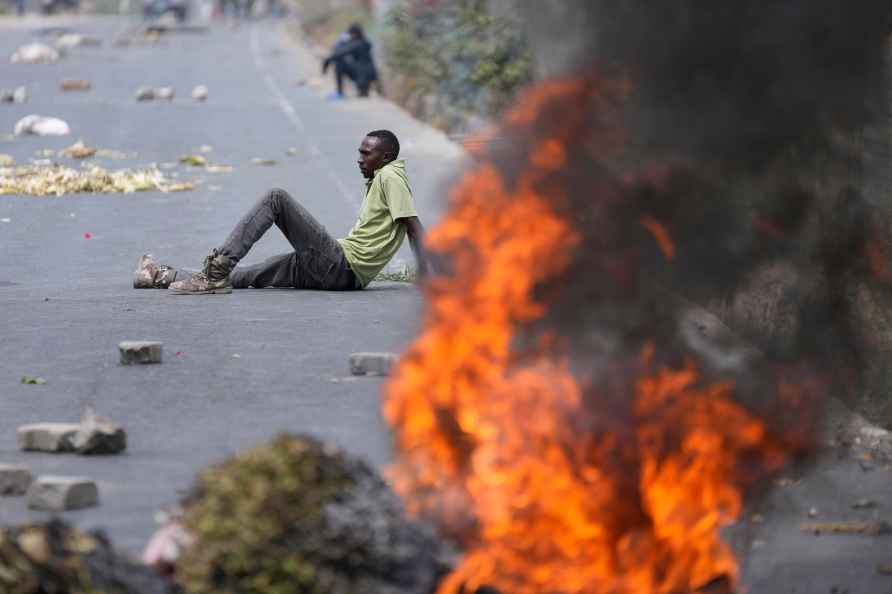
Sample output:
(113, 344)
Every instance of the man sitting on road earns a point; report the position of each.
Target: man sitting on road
(387, 215)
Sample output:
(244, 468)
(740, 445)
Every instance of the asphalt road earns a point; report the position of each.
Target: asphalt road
(238, 368)
(66, 301)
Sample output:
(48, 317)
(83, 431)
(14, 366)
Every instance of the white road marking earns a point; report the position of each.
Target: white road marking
(349, 196)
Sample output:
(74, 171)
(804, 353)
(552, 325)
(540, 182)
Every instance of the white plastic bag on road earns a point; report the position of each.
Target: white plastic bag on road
(72, 40)
(200, 93)
(34, 53)
(41, 126)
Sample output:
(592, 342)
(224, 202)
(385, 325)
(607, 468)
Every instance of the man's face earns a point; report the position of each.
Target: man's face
(371, 156)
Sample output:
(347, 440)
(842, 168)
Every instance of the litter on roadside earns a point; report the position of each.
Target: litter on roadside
(264, 162)
(17, 95)
(193, 160)
(72, 40)
(871, 528)
(164, 93)
(151, 94)
(200, 93)
(75, 84)
(41, 126)
(34, 53)
(36, 381)
(78, 150)
(58, 180)
(864, 503)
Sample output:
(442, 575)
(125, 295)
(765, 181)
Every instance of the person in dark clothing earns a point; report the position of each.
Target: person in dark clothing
(354, 57)
(341, 65)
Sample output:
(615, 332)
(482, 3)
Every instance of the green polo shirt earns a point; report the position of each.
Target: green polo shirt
(377, 236)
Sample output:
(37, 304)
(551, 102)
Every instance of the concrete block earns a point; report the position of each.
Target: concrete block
(62, 493)
(372, 363)
(140, 352)
(14, 479)
(47, 437)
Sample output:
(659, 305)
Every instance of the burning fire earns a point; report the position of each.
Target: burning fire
(556, 478)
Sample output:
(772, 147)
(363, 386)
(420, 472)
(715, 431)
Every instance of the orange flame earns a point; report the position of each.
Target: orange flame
(660, 234)
(549, 488)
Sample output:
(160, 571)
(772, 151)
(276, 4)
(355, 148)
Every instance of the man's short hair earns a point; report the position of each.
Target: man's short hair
(388, 141)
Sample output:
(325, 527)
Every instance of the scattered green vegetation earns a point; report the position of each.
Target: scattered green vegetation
(245, 513)
(27, 379)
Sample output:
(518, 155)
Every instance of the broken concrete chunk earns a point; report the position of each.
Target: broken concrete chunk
(99, 436)
(200, 93)
(61, 493)
(140, 351)
(47, 437)
(14, 479)
(372, 363)
(75, 84)
(34, 53)
(41, 126)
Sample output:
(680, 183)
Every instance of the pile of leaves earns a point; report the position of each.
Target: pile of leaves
(55, 558)
(298, 516)
(56, 180)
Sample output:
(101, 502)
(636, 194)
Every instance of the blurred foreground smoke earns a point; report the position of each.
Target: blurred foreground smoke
(55, 558)
(759, 137)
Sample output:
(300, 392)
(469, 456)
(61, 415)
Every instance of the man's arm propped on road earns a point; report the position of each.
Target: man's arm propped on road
(415, 232)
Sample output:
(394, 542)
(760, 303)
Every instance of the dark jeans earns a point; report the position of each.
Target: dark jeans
(317, 262)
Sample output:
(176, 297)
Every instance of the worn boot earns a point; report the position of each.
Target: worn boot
(150, 274)
(214, 278)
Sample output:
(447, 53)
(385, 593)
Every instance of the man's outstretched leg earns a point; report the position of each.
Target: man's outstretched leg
(316, 263)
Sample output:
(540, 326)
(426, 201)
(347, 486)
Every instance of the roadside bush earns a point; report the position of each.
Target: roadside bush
(445, 58)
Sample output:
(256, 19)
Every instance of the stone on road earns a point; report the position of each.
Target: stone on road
(14, 479)
(62, 493)
(142, 352)
(372, 363)
(47, 437)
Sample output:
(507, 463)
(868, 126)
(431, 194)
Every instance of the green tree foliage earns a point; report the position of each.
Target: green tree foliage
(458, 52)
